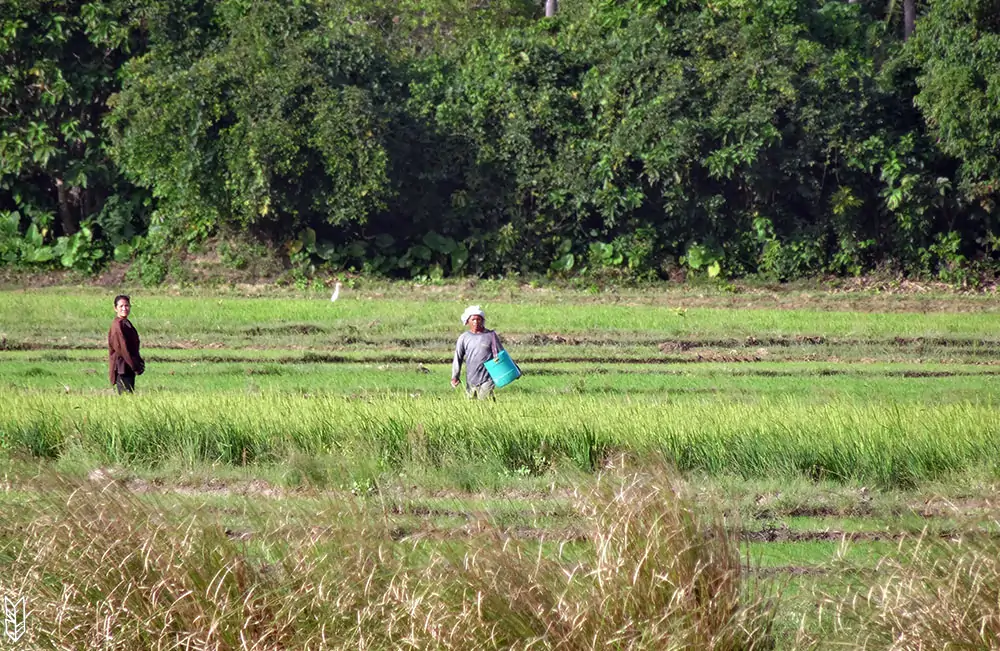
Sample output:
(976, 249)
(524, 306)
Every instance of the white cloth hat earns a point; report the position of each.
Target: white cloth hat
(471, 311)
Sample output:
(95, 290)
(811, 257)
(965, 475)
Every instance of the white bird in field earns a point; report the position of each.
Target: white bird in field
(336, 292)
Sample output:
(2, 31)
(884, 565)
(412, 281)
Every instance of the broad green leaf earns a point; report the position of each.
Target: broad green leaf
(123, 252)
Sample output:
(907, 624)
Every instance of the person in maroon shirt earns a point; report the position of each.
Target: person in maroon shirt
(124, 361)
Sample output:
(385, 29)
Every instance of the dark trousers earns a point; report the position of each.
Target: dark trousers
(125, 383)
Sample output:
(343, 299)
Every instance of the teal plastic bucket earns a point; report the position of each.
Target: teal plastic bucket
(502, 369)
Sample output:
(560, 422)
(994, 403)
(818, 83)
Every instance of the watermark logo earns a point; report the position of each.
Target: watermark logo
(14, 616)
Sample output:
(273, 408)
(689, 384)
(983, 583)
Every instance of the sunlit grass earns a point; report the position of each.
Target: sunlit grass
(933, 593)
(889, 444)
(807, 407)
(202, 320)
(102, 569)
(303, 375)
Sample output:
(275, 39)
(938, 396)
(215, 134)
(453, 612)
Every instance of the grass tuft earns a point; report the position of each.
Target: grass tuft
(101, 568)
(935, 594)
(661, 577)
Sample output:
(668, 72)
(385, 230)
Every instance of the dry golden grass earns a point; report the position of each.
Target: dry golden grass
(103, 570)
(939, 594)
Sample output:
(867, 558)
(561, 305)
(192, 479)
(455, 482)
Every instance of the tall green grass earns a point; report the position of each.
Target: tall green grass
(887, 444)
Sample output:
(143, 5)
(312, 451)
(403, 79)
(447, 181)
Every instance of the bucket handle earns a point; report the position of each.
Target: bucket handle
(495, 344)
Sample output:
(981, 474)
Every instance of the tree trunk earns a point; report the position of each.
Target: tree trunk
(909, 18)
(70, 223)
(551, 6)
(91, 201)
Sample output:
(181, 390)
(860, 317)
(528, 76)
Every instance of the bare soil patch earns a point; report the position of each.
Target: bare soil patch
(544, 339)
(783, 534)
(290, 329)
(964, 507)
(253, 488)
(786, 570)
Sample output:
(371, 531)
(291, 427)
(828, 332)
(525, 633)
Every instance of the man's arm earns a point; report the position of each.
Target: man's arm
(456, 363)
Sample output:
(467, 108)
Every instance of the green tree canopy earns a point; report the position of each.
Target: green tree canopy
(59, 61)
(957, 51)
(424, 137)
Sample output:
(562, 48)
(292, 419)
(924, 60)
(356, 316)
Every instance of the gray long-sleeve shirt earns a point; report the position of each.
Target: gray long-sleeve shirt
(473, 350)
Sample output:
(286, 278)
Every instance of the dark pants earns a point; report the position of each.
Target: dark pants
(125, 383)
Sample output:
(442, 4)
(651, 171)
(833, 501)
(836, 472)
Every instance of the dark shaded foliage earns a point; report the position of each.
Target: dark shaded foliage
(783, 138)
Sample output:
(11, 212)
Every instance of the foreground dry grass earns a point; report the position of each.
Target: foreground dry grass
(101, 570)
(942, 594)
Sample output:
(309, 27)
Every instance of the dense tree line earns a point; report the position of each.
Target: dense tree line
(433, 137)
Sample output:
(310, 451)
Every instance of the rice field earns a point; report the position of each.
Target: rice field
(809, 446)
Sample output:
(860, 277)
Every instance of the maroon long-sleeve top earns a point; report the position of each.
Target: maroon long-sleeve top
(123, 349)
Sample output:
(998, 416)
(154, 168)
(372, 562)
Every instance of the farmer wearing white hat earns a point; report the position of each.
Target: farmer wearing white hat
(473, 348)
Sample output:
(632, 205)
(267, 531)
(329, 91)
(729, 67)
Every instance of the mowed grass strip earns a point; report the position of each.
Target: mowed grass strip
(642, 359)
(77, 317)
(680, 382)
(884, 443)
(880, 360)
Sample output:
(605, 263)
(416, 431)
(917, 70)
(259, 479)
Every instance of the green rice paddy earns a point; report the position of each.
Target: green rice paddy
(832, 427)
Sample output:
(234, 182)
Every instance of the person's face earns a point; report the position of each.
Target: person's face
(122, 308)
(475, 323)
